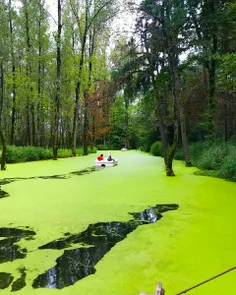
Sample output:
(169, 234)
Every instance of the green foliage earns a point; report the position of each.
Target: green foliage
(156, 149)
(228, 169)
(217, 159)
(226, 75)
(27, 154)
(179, 154)
(92, 150)
(64, 153)
(196, 150)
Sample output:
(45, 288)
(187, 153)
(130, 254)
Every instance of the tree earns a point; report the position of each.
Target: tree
(58, 84)
(3, 57)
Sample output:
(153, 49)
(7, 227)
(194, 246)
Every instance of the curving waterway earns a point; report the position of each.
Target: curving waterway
(70, 229)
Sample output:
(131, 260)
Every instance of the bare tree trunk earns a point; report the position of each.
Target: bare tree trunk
(13, 115)
(39, 135)
(182, 120)
(4, 150)
(77, 96)
(168, 151)
(2, 137)
(86, 124)
(212, 70)
(78, 86)
(86, 94)
(58, 86)
(30, 106)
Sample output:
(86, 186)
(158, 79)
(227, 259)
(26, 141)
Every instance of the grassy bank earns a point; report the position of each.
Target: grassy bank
(28, 154)
(216, 159)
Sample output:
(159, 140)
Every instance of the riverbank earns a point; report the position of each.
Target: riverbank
(21, 154)
(185, 247)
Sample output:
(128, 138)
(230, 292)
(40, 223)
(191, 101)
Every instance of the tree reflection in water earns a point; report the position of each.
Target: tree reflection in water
(94, 243)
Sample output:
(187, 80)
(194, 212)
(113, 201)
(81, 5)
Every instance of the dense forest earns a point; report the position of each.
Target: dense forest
(70, 82)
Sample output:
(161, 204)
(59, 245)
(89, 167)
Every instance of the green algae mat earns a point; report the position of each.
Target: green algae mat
(137, 226)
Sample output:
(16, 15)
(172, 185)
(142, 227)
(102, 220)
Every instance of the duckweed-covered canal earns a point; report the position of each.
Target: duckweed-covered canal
(65, 228)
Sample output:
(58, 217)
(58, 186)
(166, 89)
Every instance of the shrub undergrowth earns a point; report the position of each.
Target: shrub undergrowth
(26, 154)
(156, 149)
(213, 158)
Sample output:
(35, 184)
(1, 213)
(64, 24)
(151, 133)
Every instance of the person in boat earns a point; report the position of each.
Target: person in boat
(100, 158)
(109, 157)
(159, 290)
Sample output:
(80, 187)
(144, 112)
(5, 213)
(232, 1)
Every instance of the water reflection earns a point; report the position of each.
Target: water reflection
(9, 251)
(5, 280)
(87, 170)
(20, 282)
(96, 240)
(3, 194)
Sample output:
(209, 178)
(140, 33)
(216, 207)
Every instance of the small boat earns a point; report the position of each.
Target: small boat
(106, 163)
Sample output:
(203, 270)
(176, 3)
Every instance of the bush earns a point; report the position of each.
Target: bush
(228, 168)
(215, 158)
(104, 147)
(92, 150)
(30, 153)
(145, 148)
(205, 161)
(156, 149)
(64, 153)
(25, 154)
(196, 150)
(179, 155)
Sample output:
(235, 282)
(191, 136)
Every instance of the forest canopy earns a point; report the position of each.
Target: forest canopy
(76, 81)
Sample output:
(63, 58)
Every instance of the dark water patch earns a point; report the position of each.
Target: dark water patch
(84, 171)
(15, 232)
(152, 214)
(64, 176)
(59, 176)
(93, 243)
(3, 194)
(9, 250)
(5, 280)
(20, 282)
(10, 180)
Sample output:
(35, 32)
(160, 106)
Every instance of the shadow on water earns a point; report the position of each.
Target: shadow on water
(20, 282)
(3, 194)
(9, 251)
(62, 176)
(5, 280)
(93, 244)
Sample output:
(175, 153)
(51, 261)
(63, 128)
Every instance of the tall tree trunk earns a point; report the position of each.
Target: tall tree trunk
(86, 124)
(58, 86)
(78, 85)
(77, 97)
(30, 105)
(13, 112)
(212, 68)
(175, 93)
(2, 137)
(172, 62)
(39, 135)
(86, 95)
(182, 120)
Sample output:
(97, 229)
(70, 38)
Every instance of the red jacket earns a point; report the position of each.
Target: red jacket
(100, 158)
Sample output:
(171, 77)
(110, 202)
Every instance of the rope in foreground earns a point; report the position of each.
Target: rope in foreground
(206, 281)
